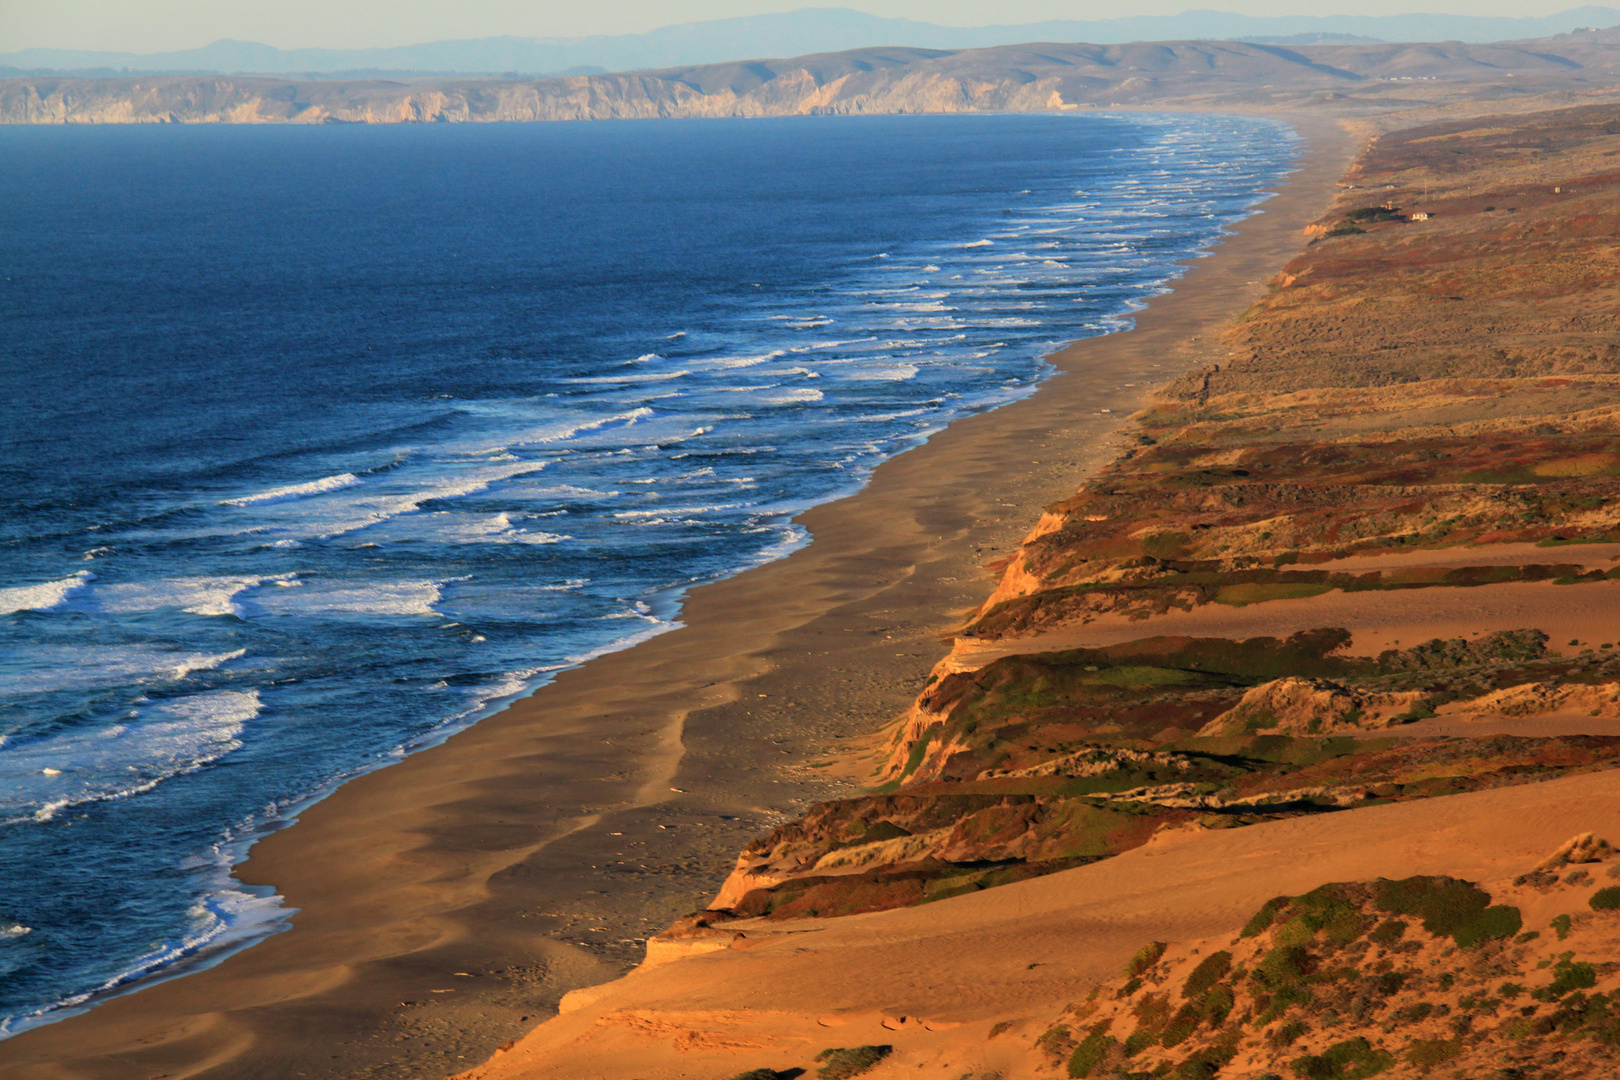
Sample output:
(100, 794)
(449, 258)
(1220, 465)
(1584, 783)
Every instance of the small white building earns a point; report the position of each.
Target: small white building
(1421, 215)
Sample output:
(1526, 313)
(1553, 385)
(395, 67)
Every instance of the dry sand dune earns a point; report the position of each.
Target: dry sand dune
(1588, 613)
(1020, 952)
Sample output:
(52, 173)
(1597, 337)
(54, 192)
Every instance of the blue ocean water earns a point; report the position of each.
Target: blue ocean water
(318, 444)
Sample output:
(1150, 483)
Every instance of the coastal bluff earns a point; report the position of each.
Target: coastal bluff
(1286, 745)
(1021, 78)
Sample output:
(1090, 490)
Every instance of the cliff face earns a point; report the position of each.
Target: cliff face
(896, 80)
(1413, 438)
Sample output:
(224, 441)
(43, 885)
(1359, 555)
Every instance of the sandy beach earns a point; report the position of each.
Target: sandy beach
(445, 904)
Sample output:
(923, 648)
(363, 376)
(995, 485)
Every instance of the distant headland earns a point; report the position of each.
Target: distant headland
(1346, 79)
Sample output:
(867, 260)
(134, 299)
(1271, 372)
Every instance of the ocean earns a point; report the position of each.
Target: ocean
(319, 444)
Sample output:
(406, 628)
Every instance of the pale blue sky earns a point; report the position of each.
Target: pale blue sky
(153, 25)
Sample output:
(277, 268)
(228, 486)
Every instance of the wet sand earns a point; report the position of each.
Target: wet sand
(446, 903)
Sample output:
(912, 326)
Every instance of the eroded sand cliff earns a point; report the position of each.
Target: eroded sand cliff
(1340, 626)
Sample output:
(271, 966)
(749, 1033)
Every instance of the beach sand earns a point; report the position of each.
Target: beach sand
(446, 903)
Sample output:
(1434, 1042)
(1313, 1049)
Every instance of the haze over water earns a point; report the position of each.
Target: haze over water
(319, 443)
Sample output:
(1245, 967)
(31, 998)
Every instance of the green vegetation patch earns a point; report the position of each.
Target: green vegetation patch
(1388, 932)
(841, 1063)
(1145, 957)
(1353, 1059)
(1144, 675)
(1504, 646)
(1607, 899)
(1449, 908)
(1211, 970)
(1375, 213)
(1031, 681)
(1569, 975)
(1334, 910)
(1091, 1051)
(1428, 1053)
(1262, 919)
(1259, 592)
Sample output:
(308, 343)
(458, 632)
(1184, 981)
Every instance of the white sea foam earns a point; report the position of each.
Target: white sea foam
(558, 429)
(731, 363)
(40, 778)
(979, 244)
(551, 492)
(794, 396)
(295, 491)
(652, 627)
(878, 418)
(44, 596)
(320, 599)
(644, 377)
(490, 529)
(228, 914)
(885, 373)
(511, 684)
(38, 669)
(343, 514)
(572, 429)
(197, 595)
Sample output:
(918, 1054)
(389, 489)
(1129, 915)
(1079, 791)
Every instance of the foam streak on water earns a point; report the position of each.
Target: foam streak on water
(365, 431)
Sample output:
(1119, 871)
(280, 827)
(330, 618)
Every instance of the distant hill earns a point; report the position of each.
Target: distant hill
(1355, 78)
(796, 33)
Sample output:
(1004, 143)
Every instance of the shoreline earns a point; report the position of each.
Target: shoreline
(436, 903)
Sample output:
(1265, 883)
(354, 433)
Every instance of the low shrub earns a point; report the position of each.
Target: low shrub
(1568, 976)
(1262, 919)
(1287, 1034)
(1183, 1024)
(1450, 908)
(1210, 971)
(1353, 1059)
(1431, 1052)
(1388, 932)
(1090, 1053)
(1334, 910)
(841, 1063)
(1145, 957)
(1606, 899)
